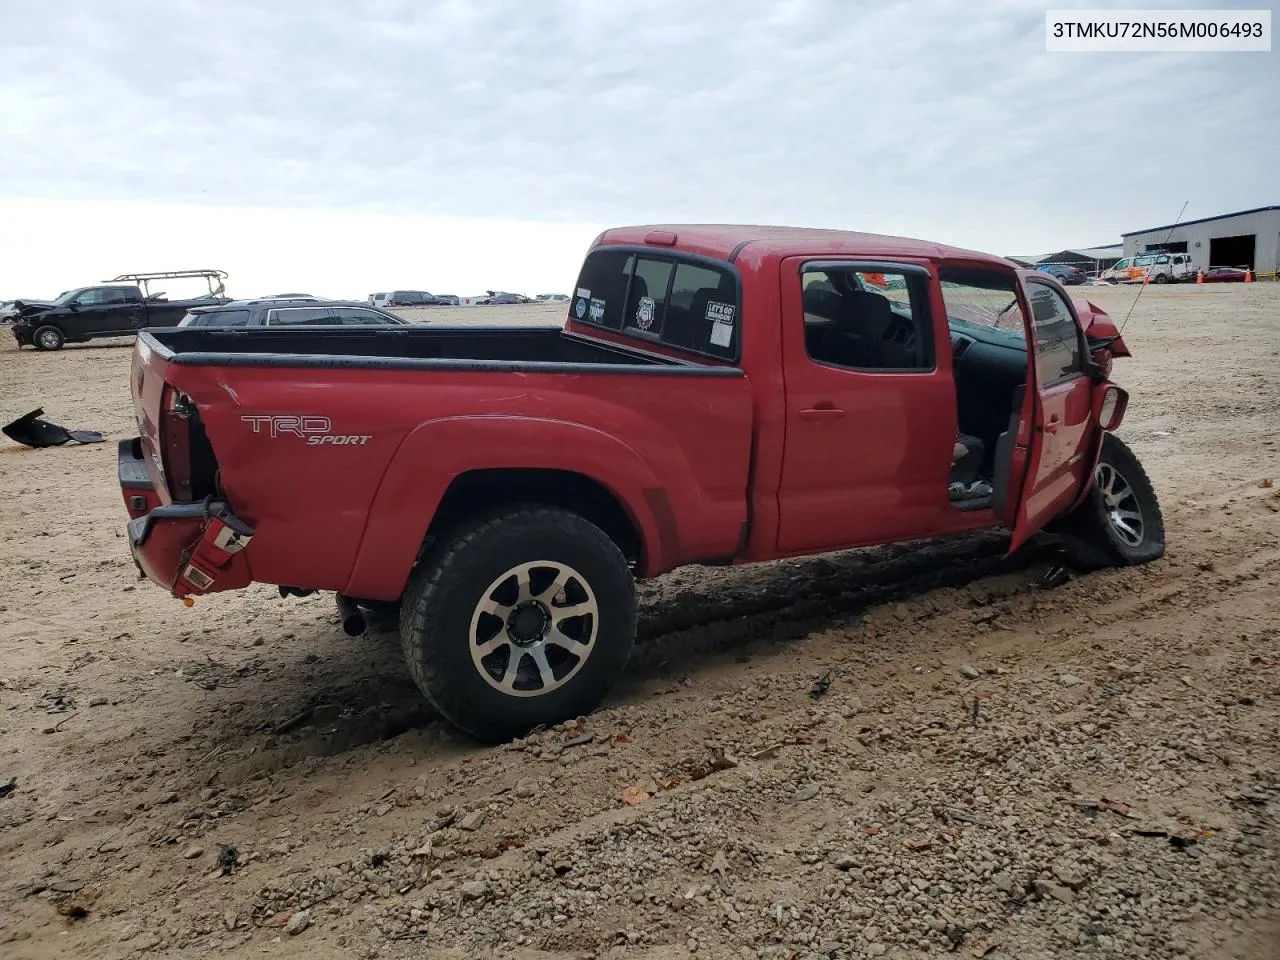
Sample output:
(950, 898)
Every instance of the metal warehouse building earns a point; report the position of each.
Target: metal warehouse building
(1250, 238)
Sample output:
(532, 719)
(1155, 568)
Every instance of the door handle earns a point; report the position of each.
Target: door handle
(826, 412)
(1052, 425)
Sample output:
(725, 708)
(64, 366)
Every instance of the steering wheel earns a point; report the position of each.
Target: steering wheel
(901, 331)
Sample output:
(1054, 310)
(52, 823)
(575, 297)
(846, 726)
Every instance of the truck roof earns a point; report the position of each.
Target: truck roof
(725, 241)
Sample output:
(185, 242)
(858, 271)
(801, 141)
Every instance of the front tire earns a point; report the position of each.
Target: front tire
(524, 618)
(1119, 522)
(48, 337)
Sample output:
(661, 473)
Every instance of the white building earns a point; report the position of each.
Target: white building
(1250, 238)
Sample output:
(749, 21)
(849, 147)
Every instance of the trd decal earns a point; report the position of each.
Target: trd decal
(315, 430)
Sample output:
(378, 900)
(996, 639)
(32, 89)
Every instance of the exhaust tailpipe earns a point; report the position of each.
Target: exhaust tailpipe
(353, 622)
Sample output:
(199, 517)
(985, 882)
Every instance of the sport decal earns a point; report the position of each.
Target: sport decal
(644, 313)
(580, 308)
(721, 317)
(597, 310)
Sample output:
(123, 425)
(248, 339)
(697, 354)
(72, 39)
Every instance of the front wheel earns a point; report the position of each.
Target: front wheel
(1161, 278)
(521, 619)
(48, 337)
(1120, 520)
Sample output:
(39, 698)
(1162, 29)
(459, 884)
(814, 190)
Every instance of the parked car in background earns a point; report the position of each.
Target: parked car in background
(494, 297)
(1224, 275)
(274, 312)
(449, 299)
(406, 298)
(1168, 267)
(1153, 267)
(552, 297)
(112, 309)
(1066, 274)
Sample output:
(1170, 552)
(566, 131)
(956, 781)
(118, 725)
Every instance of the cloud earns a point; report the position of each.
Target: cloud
(933, 118)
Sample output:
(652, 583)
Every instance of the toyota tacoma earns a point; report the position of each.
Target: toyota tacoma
(716, 395)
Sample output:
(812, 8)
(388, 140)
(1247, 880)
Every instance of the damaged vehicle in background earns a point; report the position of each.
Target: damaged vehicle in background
(717, 395)
(118, 307)
(9, 308)
(496, 297)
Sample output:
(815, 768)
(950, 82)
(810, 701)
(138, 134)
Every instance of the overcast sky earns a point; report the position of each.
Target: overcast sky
(943, 120)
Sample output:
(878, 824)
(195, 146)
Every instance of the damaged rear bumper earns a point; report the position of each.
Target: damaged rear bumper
(187, 548)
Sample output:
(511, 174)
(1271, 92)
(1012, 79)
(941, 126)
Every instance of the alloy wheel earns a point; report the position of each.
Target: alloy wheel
(534, 628)
(1120, 504)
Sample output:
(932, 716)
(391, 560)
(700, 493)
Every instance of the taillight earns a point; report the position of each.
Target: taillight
(175, 442)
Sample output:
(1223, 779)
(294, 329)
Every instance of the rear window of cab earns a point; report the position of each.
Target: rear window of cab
(681, 301)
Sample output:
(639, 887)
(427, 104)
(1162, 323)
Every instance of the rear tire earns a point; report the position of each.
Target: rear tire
(485, 628)
(48, 337)
(1161, 278)
(1119, 523)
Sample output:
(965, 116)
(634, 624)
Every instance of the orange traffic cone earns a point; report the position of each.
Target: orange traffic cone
(1199, 276)
(1248, 275)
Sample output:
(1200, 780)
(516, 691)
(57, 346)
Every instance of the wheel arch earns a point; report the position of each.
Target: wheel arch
(477, 492)
(450, 469)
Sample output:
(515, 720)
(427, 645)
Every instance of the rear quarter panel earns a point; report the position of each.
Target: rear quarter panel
(352, 517)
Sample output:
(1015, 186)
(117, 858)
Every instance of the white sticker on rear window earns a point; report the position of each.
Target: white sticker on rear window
(584, 293)
(580, 307)
(597, 311)
(721, 317)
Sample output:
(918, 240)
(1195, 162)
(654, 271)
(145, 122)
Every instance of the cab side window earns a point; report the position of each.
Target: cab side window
(870, 320)
(1058, 350)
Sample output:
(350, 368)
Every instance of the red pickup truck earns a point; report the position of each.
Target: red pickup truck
(717, 394)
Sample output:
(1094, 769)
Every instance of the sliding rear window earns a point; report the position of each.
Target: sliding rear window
(685, 302)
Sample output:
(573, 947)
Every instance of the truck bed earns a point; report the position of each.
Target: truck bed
(338, 444)
(454, 347)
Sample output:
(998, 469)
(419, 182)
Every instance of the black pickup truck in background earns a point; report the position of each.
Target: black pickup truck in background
(118, 307)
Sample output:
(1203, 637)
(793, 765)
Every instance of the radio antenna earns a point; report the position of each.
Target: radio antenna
(1143, 285)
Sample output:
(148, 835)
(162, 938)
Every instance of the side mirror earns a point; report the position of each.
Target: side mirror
(74, 305)
(1110, 406)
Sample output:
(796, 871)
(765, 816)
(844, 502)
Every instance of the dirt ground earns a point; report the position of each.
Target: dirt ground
(997, 767)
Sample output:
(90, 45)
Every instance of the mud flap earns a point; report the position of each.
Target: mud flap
(33, 431)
